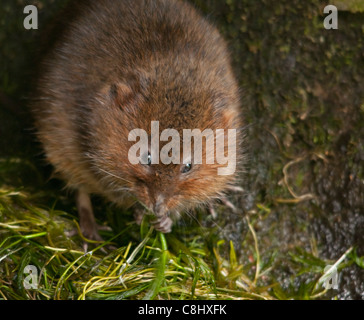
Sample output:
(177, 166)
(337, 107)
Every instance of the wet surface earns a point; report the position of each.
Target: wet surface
(303, 97)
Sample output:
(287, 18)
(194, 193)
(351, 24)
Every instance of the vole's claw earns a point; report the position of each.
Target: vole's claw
(89, 228)
(92, 235)
(163, 224)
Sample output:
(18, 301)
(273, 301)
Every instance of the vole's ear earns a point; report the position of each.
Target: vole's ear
(122, 95)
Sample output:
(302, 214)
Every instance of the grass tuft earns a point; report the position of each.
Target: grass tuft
(138, 262)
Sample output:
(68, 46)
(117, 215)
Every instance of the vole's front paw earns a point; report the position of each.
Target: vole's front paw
(162, 224)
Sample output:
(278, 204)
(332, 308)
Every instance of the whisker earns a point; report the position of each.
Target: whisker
(115, 176)
(217, 225)
(193, 217)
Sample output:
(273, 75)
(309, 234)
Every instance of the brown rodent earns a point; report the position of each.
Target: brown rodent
(118, 66)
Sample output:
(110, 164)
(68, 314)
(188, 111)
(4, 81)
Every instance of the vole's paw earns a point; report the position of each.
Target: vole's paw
(89, 228)
(162, 224)
(91, 231)
(91, 235)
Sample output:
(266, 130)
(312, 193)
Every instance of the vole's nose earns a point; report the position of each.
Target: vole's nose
(159, 207)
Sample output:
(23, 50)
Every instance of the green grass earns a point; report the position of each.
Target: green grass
(183, 265)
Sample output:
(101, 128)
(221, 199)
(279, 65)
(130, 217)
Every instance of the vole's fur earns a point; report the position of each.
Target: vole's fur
(118, 66)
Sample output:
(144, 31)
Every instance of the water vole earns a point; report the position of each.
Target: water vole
(119, 65)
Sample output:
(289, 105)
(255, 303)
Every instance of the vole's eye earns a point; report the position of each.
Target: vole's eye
(146, 159)
(187, 168)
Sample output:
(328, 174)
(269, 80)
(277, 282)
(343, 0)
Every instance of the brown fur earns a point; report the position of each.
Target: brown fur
(119, 65)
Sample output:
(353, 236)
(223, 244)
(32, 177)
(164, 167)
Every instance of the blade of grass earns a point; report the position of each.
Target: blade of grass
(64, 276)
(160, 276)
(257, 270)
